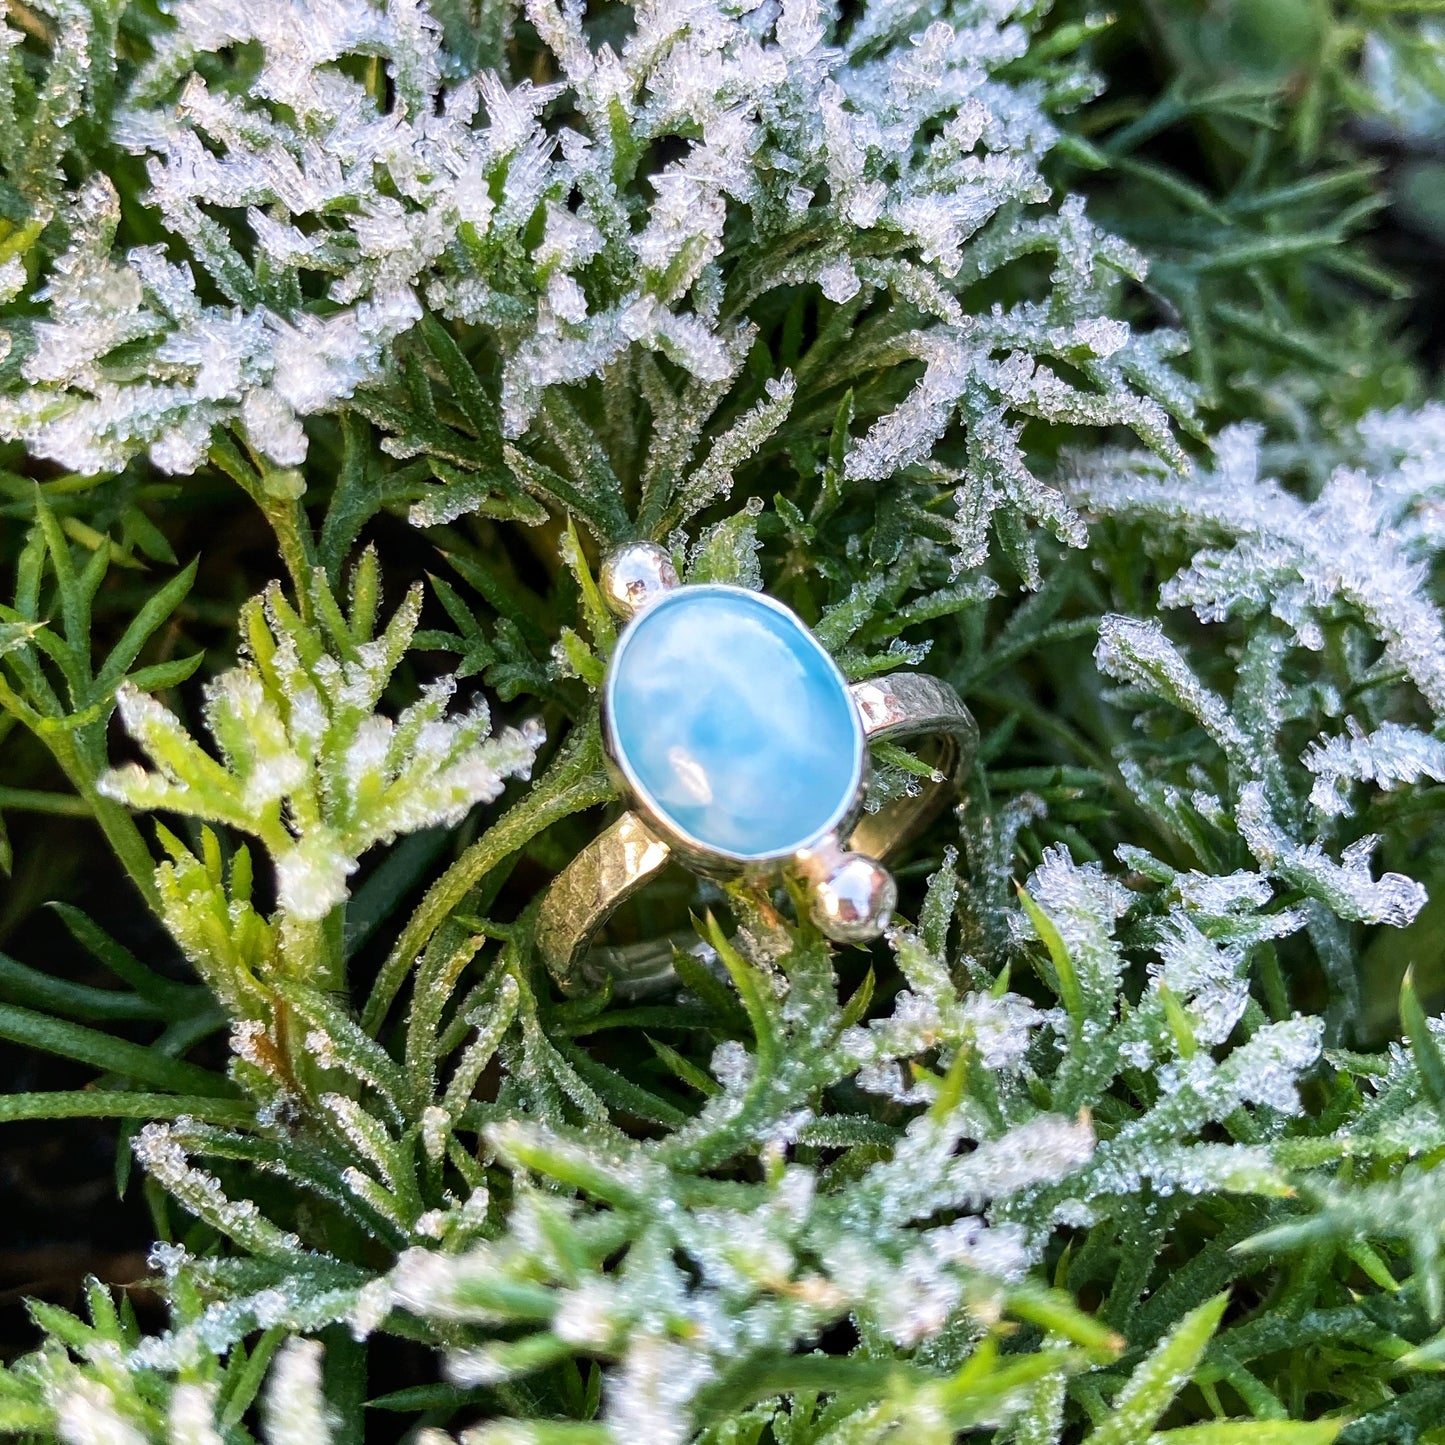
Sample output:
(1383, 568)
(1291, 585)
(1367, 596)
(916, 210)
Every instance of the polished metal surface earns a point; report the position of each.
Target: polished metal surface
(853, 895)
(635, 576)
(631, 851)
(607, 872)
(913, 705)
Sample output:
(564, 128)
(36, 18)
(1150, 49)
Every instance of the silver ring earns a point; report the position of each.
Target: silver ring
(741, 752)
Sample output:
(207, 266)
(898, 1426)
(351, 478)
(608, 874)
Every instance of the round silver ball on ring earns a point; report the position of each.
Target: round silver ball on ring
(636, 575)
(854, 898)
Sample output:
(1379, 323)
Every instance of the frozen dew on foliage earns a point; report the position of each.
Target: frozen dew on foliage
(161, 1150)
(307, 764)
(1212, 980)
(932, 1011)
(1387, 757)
(1141, 654)
(1400, 83)
(88, 1414)
(1350, 552)
(294, 1406)
(1346, 886)
(894, 163)
(191, 1418)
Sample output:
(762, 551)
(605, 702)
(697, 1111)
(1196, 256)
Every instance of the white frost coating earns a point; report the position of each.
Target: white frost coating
(159, 1150)
(838, 281)
(425, 1282)
(1404, 451)
(1268, 1067)
(1138, 653)
(1001, 1028)
(1040, 1151)
(714, 477)
(907, 434)
(1400, 91)
(732, 1065)
(87, 1414)
(307, 766)
(1387, 757)
(1212, 981)
(294, 1405)
(373, 1304)
(586, 1316)
(1301, 561)
(999, 1250)
(1346, 886)
(13, 277)
(1222, 893)
(1191, 1169)
(323, 216)
(191, 1419)
(651, 1392)
(1083, 903)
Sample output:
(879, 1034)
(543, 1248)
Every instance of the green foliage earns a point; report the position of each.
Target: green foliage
(1130, 1131)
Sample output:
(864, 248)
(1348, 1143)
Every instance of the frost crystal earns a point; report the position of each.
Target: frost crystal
(87, 1415)
(1303, 562)
(295, 1404)
(1347, 886)
(306, 765)
(311, 219)
(192, 1418)
(1210, 979)
(1387, 757)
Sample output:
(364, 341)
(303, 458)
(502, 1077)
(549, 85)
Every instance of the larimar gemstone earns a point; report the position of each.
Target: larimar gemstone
(731, 721)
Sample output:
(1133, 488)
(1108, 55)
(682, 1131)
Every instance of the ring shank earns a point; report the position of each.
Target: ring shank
(627, 854)
(908, 705)
(603, 876)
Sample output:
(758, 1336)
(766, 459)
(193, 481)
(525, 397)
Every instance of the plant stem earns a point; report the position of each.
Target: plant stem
(120, 829)
(122, 1104)
(282, 512)
(575, 780)
(31, 800)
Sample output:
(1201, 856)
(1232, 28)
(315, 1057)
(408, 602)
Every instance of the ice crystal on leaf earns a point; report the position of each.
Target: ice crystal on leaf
(1347, 886)
(308, 765)
(1307, 563)
(295, 1406)
(1387, 757)
(890, 165)
(1141, 654)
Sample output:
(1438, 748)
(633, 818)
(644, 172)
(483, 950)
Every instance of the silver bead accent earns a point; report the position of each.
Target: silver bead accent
(853, 895)
(634, 576)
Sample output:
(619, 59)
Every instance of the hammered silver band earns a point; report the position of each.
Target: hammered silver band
(628, 853)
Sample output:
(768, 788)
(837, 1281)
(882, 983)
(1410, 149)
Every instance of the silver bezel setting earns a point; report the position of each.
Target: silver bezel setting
(704, 857)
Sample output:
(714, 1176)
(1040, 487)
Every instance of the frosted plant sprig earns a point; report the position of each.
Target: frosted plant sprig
(1141, 654)
(96, 1395)
(1387, 757)
(922, 1230)
(308, 765)
(990, 1145)
(1308, 563)
(888, 164)
(1339, 604)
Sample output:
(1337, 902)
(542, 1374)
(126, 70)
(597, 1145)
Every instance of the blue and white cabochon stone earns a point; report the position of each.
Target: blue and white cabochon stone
(730, 720)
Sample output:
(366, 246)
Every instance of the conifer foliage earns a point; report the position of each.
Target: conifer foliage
(392, 317)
